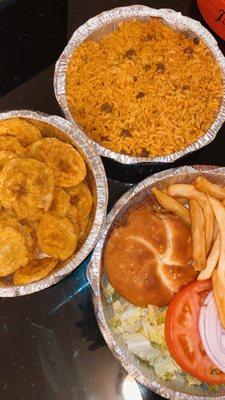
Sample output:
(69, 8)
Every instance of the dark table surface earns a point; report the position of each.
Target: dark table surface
(50, 345)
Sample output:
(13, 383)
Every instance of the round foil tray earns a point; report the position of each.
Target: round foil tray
(174, 389)
(64, 130)
(107, 21)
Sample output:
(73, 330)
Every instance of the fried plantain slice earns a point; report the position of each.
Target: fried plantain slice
(57, 237)
(31, 242)
(66, 162)
(10, 147)
(79, 224)
(10, 143)
(81, 197)
(24, 131)
(26, 231)
(13, 252)
(61, 203)
(26, 188)
(34, 271)
(5, 156)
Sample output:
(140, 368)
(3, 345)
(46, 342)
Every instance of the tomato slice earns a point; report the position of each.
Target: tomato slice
(182, 333)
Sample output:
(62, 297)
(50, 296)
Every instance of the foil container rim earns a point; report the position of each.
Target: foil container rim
(94, 277)
(119, 13)
(98, 172)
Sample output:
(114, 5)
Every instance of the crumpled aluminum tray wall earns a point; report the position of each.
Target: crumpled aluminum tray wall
(174, 389)
(95, 166)
(107, 21)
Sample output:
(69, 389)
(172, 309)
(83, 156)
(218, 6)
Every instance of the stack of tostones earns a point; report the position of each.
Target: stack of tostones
(45, 203)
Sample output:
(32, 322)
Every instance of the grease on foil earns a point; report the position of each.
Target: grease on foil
(69, 132)
(106, 22)
(174, 389)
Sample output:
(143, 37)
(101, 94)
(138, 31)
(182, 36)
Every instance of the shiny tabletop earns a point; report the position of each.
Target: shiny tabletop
(50, 345)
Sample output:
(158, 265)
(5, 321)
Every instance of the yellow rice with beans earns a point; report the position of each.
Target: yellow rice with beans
(144, 89)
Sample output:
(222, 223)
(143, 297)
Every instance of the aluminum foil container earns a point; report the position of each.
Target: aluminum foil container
(64, 130)
(97, 277)
(107, 21)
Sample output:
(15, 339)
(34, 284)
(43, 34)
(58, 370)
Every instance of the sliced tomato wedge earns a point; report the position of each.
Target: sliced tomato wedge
(182, 333)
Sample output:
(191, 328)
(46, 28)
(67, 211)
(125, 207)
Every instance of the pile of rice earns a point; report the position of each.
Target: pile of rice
(144, 89)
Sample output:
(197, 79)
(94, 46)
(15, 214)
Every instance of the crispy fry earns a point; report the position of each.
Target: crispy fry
(214, 190)
(198, 235)
(216, 231)
(219, 212)
(172, 205)
(219, 274)
(34, 271)
(212, 260)
(189, 191)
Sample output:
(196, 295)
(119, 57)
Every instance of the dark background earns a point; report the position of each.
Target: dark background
(50, 345)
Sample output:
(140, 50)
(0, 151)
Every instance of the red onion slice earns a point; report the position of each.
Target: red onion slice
(212, 332)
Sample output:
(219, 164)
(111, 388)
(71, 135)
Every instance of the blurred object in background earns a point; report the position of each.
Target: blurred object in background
(213, 12)
(32, 36)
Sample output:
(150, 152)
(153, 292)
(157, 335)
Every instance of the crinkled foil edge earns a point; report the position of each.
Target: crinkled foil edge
(175, 19)
(95, 270)
(96, 167)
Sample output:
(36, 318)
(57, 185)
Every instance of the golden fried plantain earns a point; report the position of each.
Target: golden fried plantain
(81, 205)
(79, 224)
(26, 231)
(5, 156)
(66, 162)
(30, 237)
(10, 147)
(26, 188)
(13, 252)
(10, 143)
(24, 131)
(61, 203)
(81, 197)
(34, 271)
(7, 219)
(57, 237)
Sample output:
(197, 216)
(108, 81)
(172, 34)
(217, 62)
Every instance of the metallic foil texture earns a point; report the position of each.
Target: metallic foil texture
(171, 389)
(107, 21)
(66, 131)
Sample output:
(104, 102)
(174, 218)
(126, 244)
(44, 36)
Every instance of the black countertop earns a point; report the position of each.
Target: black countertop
(50, 345)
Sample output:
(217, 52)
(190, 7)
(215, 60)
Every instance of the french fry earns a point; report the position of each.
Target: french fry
(210, 188)
(172, 205)
(182, 200)
(189, 192)
(198, 235)
(219, 273)
(216, 231)
(212, 260)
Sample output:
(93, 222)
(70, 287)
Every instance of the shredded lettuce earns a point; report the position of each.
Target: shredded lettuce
(142, 330)
(192, 381)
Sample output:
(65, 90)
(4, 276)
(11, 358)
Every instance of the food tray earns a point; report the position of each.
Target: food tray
(64, 130)
(173, 389)
(108, 21)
